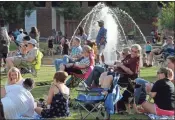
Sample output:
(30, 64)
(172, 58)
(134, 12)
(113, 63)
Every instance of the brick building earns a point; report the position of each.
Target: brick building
(47, 19)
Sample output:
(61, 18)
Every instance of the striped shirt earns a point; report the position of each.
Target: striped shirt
(84, 61)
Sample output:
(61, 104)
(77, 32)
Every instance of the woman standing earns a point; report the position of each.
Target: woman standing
(82, 35)
(34, 34)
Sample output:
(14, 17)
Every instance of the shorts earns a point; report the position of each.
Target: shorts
(148, 52)
(163, 112)
(100, 49)
(17, 60)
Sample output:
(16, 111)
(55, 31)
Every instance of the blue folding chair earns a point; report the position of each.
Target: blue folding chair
(102, 100)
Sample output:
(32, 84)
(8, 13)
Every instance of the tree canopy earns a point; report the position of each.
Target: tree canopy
(167, 16)
(141, 10)
(14, 11)
(71, 10)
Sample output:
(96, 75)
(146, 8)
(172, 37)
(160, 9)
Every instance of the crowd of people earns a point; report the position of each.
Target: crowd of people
(17, 101)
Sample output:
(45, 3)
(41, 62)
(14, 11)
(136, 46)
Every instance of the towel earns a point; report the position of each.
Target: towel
(156, 117)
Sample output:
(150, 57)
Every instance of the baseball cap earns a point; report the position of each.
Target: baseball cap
(21, 29)
(100, 21)
(32, 41)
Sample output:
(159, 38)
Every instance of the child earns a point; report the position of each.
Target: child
(57, 101)
(148, 49)
(50, 46)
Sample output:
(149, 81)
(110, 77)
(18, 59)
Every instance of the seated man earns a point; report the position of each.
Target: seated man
(74, 55)
(98, 70)
(22, 47)
(167, 49)
(29, 52)
(17, 101)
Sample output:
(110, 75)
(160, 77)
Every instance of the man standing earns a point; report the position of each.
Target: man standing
(101, 41)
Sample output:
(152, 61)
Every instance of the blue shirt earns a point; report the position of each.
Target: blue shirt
(148, 48)
(76, 51)
(101, 34)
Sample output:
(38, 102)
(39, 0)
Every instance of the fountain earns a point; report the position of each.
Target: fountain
(119, 25)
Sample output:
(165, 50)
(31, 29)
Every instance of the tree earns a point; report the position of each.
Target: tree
(167, 17)
(142, 10)
(14, 12)
(70, 10)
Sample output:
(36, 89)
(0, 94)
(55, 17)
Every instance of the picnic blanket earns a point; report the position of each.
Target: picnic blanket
(156, 117)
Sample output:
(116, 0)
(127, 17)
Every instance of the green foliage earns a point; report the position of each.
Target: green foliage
(142, 10)
(70, 10)
(166, 19)
(14, 11)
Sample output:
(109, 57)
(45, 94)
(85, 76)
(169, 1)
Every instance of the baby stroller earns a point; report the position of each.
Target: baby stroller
(102, 100)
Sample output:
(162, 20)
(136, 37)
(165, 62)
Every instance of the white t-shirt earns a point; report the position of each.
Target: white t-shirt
(17, 102)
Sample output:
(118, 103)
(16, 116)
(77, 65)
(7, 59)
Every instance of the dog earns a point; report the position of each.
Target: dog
(128, 99)
(131, 100)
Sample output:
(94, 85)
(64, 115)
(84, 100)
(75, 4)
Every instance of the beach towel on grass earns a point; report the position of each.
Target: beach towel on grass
(156, 117)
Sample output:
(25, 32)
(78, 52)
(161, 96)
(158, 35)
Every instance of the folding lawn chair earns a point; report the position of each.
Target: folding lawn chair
(101, 100)
(77, 78)
(33, 67)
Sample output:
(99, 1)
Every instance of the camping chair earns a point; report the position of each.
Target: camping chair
(81, 77)
(77, 78)
(32, 67)
(100, 98)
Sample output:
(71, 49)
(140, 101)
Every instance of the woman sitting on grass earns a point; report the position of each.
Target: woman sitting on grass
(163, 94)
(57, 101)
(82, 66)
(14, 76)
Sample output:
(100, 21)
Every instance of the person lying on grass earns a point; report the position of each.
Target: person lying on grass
(58, 98)
(17, 101)
(163, 94)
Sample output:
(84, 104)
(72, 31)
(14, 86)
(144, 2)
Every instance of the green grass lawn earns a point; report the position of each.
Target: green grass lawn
(45, 75)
